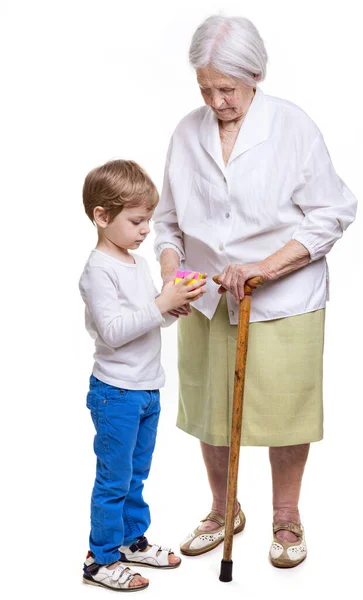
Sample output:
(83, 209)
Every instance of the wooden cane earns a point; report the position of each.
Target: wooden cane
(236, 427)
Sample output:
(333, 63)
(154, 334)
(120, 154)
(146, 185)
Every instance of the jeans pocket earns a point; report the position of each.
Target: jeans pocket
(116, 395)
(91, 400)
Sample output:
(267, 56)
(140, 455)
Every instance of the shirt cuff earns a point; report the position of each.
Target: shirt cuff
(156, 314)
(306, 244)
(162, 247)
(168, 320)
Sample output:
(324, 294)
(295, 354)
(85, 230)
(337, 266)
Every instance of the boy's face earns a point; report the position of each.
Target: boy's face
(128, 229)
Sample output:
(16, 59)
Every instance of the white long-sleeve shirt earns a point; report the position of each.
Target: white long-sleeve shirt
(279, 184)
(124, 321)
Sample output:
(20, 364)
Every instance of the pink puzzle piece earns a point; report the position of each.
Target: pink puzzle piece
(182, 274)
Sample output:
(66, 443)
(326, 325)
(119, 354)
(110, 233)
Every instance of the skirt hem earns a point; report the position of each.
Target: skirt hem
(291, 439)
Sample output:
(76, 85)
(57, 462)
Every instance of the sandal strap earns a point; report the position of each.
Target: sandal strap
(162, 555)
(218, 518)
(120, 573)
(168, 550)
(215, 518)
(91, 569)
(140, 544)
(124, 575)
(288, 526)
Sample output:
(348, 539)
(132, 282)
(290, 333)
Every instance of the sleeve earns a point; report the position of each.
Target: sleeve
(327, 204)
(167, 319)
(116, 324)
(167, 231)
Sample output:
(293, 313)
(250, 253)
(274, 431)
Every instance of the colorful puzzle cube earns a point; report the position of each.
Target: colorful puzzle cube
(181, 274)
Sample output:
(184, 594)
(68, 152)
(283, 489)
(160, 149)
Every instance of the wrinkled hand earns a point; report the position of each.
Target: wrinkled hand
(234, 277)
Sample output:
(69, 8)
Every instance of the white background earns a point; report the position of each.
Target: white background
(87, 81)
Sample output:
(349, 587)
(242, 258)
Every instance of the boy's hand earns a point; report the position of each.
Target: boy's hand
(183, 310)
(177, 295)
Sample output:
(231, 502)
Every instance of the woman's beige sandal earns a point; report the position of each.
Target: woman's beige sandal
(141, 553)
(288, 554)
(200, 542)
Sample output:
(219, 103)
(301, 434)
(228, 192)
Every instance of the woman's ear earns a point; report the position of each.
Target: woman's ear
(100, 216)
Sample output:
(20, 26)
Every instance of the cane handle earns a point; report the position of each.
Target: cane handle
(250, 284)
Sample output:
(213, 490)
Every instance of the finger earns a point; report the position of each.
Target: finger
(182, 310)
(227, 282)
(241, 290)
(201, 283)
(234, 285)
(184, 281)
(202, 280)
(189, 277)
(195, 293)
(240, 285)
(221, 290)
(221, 278)
(235, 294)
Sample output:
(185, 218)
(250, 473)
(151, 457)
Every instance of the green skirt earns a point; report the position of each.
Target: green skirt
(283, 403)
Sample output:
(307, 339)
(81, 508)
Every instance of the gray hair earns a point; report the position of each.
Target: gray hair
(232, 46)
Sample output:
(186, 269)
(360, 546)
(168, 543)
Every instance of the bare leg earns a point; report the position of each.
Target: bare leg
(287, 466)
(216, 462)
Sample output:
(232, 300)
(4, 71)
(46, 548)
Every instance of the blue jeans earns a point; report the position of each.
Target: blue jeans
(126, 422)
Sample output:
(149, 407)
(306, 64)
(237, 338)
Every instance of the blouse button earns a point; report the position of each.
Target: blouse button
(227, 215)
(231, 312)
(221, 247)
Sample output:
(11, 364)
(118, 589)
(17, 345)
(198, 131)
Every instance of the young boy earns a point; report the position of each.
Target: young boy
(123, 314)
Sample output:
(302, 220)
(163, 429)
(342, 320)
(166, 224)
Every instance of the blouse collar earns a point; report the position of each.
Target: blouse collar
(254, 131)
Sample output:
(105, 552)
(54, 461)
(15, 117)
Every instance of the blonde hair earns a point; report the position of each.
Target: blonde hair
(116, 185)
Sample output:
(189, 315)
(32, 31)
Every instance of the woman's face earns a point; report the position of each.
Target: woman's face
(228, 97)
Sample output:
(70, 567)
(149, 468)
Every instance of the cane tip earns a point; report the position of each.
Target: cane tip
(226, 570)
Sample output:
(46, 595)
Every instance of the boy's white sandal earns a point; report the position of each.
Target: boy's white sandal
(288, 554)
(141, 553)
(117, 579)
(199, 542)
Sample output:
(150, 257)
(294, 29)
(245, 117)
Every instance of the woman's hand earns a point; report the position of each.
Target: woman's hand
(234, 277)
(288, 259)
(175, 296)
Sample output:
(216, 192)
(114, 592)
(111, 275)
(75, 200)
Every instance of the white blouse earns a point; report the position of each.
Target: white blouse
(279, 184)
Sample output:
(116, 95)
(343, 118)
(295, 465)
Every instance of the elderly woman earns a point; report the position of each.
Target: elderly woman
(250, 190)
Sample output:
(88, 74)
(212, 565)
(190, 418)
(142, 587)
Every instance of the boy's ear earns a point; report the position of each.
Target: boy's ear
(100, 216)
